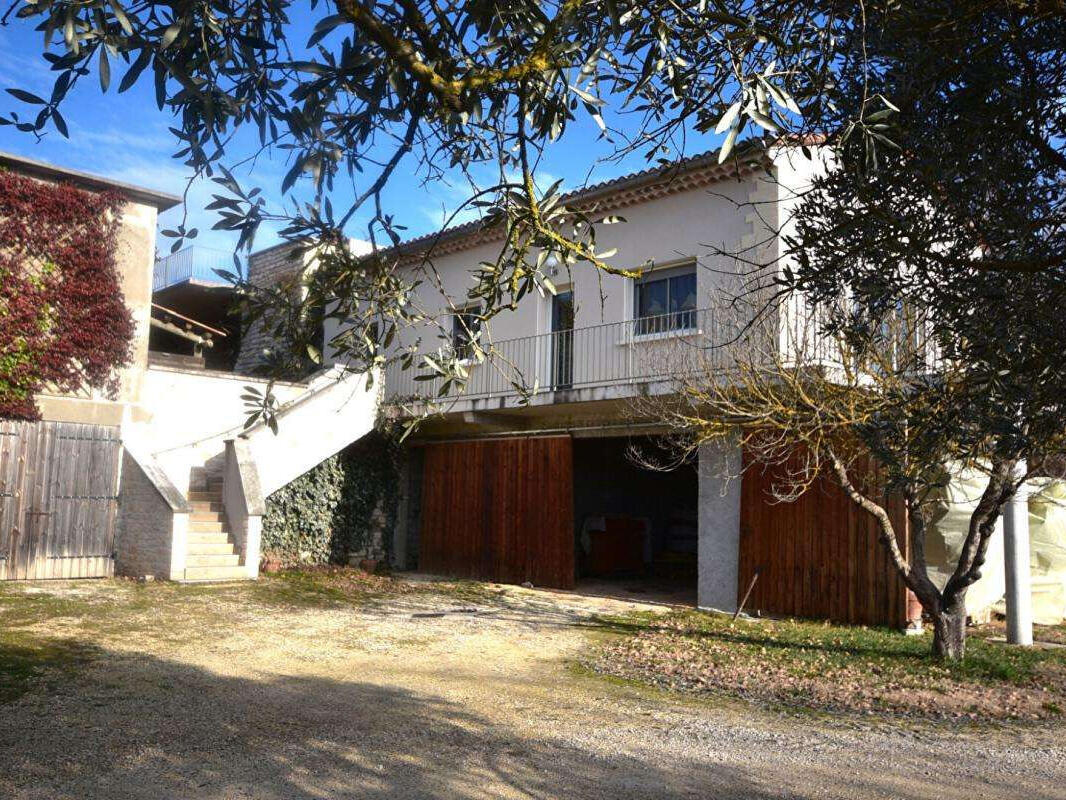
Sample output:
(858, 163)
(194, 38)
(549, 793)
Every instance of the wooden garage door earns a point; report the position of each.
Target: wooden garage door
(58, 499)
(818, 556)
(499, 510)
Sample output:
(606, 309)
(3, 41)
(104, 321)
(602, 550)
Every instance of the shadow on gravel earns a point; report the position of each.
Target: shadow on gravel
(141, 727)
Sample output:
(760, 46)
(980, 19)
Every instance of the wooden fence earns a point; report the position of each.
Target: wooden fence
(58, 499)
(499, 510)
(818, 556)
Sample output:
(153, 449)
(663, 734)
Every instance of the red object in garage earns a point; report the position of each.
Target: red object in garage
(617, 549)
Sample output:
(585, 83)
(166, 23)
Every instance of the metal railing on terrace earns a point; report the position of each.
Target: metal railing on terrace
(612, 354)
(191, 263)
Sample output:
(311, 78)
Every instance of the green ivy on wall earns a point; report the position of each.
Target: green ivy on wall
(327, 513)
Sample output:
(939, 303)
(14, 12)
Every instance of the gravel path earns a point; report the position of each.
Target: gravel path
(419, 697)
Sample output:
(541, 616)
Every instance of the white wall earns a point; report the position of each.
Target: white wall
(188, 414)
(337, 410)
(193, 413)
(666, 230)
(692, 225)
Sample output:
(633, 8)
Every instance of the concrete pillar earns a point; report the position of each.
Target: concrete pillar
(1016, 562)
(719, 527)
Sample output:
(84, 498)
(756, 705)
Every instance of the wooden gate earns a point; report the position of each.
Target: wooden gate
(58, 499)
(818, 556)
(499, 510)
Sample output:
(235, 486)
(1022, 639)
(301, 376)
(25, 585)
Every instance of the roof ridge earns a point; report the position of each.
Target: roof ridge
(744, 155)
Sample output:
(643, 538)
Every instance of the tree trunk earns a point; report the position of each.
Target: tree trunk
(949, 632)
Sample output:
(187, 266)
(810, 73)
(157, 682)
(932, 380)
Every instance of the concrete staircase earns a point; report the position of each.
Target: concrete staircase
(211, 554)
(213, 472)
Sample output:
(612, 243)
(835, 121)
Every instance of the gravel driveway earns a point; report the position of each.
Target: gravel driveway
(420, 696)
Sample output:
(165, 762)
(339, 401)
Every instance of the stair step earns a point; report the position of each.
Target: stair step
(208, 537)
(209, 549)
(205, 516)
(211, 487)
(212, 560)
(214, 507)
(205, 526)
(215, 573)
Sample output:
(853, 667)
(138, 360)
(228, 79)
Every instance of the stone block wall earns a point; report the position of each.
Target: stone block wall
(150, 537)
(265, 268)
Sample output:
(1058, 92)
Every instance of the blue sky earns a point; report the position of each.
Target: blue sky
(125, 137)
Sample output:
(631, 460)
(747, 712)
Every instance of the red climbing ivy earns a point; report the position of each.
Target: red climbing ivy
(64, 324)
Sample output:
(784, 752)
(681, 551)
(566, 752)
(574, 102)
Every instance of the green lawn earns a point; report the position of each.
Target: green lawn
(831, 667)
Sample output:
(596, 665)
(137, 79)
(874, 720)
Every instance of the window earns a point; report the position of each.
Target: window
(466, 324)
(666, 300)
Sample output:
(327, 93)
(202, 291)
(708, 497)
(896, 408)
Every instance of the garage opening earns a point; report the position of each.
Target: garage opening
(559, 513)
(635, 528)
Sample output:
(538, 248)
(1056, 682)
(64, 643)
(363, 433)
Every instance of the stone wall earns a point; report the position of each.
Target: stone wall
(265, 268)
(150, 538)
(134, 258)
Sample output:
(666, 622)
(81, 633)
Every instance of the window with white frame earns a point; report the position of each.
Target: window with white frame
(466, 324)
(665, 300)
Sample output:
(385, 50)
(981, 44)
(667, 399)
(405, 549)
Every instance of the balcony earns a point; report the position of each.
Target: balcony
(598, 362)
(191, 264)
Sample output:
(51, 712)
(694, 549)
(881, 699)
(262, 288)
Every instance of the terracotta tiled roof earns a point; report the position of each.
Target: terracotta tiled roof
(686, 174)
(689, 173)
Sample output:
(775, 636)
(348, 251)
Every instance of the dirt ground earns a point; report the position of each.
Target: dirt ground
(425, 695)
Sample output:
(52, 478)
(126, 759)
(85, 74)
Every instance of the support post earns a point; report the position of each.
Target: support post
(1016, 560)
(719, 527)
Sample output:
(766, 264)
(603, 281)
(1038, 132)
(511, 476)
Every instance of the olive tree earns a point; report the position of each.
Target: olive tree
(932, 258)
(963, 223)
(886, 415)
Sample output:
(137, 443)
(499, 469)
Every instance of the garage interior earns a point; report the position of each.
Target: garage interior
(556, 512)
(635, 527)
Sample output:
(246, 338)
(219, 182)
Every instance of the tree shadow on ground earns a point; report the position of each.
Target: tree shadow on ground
(136, 726)
(126, 724)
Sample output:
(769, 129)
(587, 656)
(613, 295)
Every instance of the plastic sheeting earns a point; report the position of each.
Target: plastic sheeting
(1047, 542)
(1047, 535)
(946, 534)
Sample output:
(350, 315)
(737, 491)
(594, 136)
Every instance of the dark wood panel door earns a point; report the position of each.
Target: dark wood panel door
(818, 556)
(499, 510)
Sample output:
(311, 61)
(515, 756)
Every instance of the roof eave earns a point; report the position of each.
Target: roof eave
(161, 201)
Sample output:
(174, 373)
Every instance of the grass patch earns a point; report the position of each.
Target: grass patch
(830, 667)
(26, 661)
(54, 628)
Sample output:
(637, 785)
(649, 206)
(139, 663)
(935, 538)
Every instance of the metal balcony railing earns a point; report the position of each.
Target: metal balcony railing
(197, 263)
(611, 354)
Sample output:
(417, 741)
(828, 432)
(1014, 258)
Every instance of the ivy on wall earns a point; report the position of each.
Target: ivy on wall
(63, 319)
(330, 513)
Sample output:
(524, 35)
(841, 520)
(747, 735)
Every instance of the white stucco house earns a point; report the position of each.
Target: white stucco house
(500, 485)
(540, 489)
